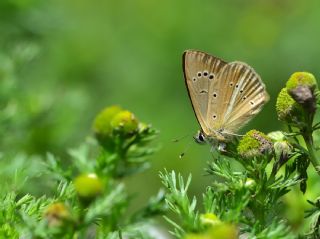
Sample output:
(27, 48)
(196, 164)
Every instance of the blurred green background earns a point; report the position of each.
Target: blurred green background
(61, 62)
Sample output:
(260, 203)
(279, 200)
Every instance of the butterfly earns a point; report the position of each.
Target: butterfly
(224, 96)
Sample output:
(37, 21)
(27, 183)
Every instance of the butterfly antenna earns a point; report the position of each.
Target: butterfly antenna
(240, 135)
(181, 138)
(186, 148)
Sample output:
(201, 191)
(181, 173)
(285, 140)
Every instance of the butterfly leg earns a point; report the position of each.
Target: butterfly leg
(222, 147)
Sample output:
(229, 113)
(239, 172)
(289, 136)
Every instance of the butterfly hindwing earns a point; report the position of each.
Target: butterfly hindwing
(251, 99)
(200, 71)
(241, 96)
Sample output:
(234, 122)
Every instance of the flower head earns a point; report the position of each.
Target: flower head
(283, 148)
(287, 108)
(250, 183)
(88, 186)
(281, 145)
(125, 122)
(114, 122)
(102, 123)
(254, 144)
(217, 231)
(209, 219)
(301, 79)
(56, 214)
(301, 87)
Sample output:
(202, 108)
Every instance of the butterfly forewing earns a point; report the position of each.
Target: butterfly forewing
(240, 94)
(200, 71)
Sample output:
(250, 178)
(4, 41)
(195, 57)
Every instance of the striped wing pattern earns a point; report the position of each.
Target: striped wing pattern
(242, 95)
(228, 99)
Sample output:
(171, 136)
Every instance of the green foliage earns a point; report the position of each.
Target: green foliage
(61, 61)
(94, 203)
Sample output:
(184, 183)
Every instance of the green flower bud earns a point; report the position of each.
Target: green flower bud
(287, 108)
(301, 79)
(102, 123)
(88, 186)
(250, 183)
(282, 148)
(57, 214)
(218, 231)
(254, 144)
(143, 126)
(209, 219)
(276, 135)
(125, 122)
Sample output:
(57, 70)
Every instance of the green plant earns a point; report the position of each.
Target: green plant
(85, 198)
(254, 198)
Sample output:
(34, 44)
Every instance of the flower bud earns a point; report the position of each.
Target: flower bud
(287, 108)
(102, 122)
(209, 219)
(301, 79)
(217, 231)
(254, 144)
(282, 148)
(305, 97)
(301, 86)
(125, 122)
(57, 214)
(88, 186)
(250, 183)
(276, 135)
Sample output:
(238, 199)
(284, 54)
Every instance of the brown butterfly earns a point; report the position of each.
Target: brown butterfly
(224, 96)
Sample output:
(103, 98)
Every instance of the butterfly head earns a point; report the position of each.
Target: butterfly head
(212, 138)
(200, 137)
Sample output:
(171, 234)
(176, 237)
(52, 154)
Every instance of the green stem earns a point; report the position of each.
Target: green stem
(314, 160)
(259, 214)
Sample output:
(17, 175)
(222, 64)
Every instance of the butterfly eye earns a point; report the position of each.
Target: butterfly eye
(214, 117)
(231, 84)
(194, 79)
(237, 85)
(241, 91)
(244, 97)
(199, 74)
(251, 102)
(199, 138)
(205, 73)
(214, 94)
(211, 76)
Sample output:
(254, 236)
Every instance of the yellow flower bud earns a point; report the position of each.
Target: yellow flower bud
(254, 144)
(125, 122)
(57, 214)
(102, 122)
(88, 186)
(209, 219)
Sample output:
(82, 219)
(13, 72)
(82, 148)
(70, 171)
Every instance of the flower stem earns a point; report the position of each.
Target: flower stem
(314, 160)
